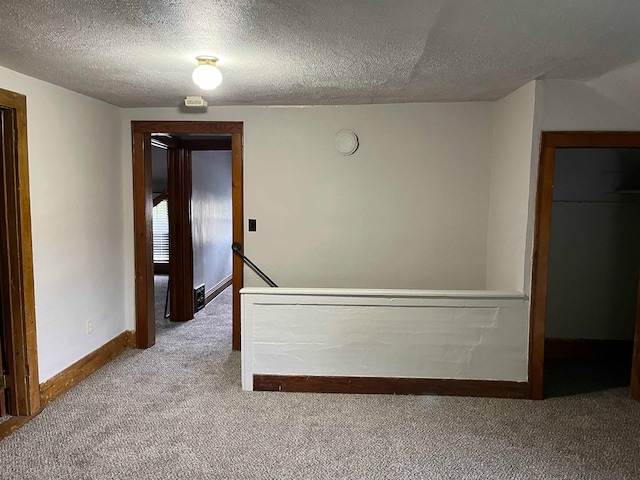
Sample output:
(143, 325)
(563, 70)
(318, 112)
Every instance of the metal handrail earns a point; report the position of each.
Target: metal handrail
(237, 249)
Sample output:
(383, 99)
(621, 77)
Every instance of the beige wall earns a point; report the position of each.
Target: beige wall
(76, 211)
(211, 217)
(569, 105)
(509, 191)
(407, 210)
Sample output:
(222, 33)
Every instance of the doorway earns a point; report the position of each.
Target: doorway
(4, 395)
(190, 136)
(19, 389)
(199, 222)
(543, 306)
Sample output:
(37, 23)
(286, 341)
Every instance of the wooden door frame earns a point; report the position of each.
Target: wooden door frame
(143, 216)
(3, 390)
(16, 271)
(180, 242)
(549, 142)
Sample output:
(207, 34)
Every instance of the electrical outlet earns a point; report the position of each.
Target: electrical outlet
(89, 327)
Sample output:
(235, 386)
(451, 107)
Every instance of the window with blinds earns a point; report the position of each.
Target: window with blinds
(161, 233)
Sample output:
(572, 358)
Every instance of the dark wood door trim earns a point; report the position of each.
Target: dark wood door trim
(143, 240)
(180, 241)
(237, 195)
(142, 130)
(549, 142)
(3, 389)
(16, 260)
(635, 362)
(187, 127)
(540, 270)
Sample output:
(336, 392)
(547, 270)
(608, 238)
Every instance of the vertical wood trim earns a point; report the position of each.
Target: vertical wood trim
(175, 247)
(180, 241)
(9, 333)
(17, 259)
(6, 122)
(635, 362)
(143, 240)
(237, 195)
(542, 235)
(187, 265)
(26, 254)
(3, 398)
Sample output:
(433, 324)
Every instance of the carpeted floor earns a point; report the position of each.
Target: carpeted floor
(176, 411)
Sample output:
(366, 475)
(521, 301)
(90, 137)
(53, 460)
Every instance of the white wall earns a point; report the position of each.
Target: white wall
(574, 106)
(595, 245)
(509, 194)
(564, 105)
(211, 217)
(408, 210)
(417, 334)
(75, 147)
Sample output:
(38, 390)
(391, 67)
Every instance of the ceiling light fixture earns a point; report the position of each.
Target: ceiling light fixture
(206, 75)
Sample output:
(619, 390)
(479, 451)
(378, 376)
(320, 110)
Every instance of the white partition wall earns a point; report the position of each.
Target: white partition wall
(397, 334)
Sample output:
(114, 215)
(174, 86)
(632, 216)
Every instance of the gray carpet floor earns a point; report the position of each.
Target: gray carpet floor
(176, 411)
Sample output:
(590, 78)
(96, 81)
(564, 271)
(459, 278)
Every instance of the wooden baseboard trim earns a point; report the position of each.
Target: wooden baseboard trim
(74, 374)
(586, 349)
(12, 424)
(389, 385)
(216, 290)
(131, 339)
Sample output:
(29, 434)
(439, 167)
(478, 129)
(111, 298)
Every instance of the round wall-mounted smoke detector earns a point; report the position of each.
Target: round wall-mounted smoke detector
(346, 142)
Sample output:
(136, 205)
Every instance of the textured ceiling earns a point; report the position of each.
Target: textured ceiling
(299, 52)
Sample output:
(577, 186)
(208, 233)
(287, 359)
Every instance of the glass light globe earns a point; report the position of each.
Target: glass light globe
(207, 76)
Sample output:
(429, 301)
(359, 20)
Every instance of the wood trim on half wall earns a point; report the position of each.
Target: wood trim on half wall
(142, 194)
(549, 142)
(390, 386)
